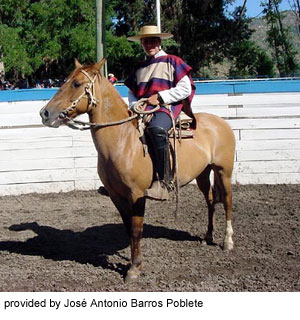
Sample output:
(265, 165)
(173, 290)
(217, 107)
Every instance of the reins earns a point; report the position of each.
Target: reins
(75, 124)
(89, 90)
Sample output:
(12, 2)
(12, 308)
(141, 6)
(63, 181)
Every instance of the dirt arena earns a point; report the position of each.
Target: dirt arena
(76, 242)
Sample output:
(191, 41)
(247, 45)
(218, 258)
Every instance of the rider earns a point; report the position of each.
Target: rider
(163, 79)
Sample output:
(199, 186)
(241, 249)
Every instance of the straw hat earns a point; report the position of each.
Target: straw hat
(150, 32)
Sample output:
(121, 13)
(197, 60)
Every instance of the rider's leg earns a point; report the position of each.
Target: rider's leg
(157, 131)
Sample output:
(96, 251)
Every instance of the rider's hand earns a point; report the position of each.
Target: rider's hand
(153, 100)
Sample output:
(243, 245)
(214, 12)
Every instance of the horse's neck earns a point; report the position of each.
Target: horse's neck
(110, 108)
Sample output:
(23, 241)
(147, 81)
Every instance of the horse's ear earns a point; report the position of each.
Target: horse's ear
(100, 64)
(77, 63)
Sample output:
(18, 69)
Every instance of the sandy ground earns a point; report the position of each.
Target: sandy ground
(76, 242)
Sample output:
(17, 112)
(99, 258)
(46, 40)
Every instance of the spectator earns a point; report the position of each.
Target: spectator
(112, 79)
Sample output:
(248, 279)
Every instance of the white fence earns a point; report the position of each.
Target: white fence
(34, 158)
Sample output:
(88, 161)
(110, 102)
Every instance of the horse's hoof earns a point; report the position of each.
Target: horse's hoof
(208, 241)
(227, 246)
(103, 191)
(132, 276)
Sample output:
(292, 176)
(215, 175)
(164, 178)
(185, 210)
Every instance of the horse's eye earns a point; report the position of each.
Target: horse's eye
(76, 84)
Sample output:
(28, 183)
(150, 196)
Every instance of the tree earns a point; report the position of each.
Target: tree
(61, 31)
(41, 38)
(278, 38)
(203, 32)
(250, 60)
(13, 53)
(50, 34)
(295, 6)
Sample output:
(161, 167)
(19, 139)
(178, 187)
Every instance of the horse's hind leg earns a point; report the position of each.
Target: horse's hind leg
(205, 186)
(223, 178)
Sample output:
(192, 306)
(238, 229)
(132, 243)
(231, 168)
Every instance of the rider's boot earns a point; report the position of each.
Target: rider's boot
(161, 158)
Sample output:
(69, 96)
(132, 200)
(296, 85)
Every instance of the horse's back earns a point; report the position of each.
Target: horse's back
(211, 121)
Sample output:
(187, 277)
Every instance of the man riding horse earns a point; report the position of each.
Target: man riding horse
(163, 79)
(123, 167)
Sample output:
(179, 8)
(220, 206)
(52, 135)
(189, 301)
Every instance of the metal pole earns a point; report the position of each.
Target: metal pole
(99, 46)
(100, 31)
(2, 71)
(158, 15)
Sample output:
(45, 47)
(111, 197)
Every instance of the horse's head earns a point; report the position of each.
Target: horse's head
(76, 96)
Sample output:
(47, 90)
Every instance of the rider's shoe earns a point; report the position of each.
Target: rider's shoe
(157, 191)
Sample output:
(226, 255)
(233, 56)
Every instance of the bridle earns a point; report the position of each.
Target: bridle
(88, 91)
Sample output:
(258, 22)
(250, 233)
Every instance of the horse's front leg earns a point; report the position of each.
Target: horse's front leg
(136, 256)
(132, 214)
(137, 222)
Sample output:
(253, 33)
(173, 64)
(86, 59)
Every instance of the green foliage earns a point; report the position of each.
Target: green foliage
(121, 54)
(203, 30)
(50, 34)
(13, 51)
(203, 33)
(250, 60)
(41, 38)
(279, 39)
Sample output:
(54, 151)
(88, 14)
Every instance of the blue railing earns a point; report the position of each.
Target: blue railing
(248, 86)
(202, 87)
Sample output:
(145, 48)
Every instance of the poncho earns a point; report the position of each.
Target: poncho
(158, 74)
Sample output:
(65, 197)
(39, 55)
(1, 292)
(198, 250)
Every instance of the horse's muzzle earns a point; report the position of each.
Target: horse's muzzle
(50, 119)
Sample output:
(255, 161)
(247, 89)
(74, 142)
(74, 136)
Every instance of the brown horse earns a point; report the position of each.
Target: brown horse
(124, 169)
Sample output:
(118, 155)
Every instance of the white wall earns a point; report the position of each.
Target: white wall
(267, 130)
(34, 158)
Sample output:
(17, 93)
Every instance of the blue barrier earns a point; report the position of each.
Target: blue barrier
(27, 94)
(202, 87)
(248, 86)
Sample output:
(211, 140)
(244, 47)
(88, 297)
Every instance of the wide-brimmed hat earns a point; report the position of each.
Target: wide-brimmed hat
(150, 32)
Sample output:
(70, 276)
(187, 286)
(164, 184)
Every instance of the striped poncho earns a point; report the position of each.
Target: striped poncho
(158, 74)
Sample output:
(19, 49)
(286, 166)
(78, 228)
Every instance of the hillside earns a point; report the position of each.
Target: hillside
(259, 26)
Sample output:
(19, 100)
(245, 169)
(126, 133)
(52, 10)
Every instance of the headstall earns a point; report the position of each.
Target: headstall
(89, 90)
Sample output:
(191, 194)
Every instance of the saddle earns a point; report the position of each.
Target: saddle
(182, 128)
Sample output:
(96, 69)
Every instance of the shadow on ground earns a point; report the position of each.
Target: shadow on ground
(93, 245)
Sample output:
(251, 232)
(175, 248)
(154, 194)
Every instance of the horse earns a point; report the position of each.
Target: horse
(123, 167)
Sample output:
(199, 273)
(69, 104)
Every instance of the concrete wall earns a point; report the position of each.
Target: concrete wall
(34, 158)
